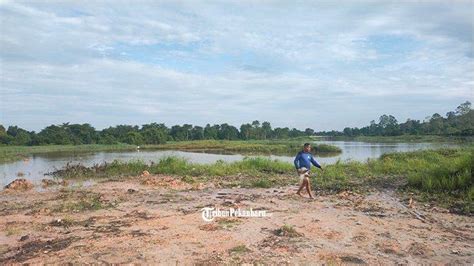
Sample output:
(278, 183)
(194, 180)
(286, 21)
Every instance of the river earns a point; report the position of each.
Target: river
(35, 167)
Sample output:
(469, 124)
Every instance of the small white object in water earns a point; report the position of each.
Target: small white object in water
(138, 147)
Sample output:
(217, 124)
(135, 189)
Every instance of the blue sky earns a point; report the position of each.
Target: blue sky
(323, 65)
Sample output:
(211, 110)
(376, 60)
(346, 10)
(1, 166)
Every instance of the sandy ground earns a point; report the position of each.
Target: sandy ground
(159, 220)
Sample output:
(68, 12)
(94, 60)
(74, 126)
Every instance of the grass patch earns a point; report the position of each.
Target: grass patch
(12, 229)
(240, 249)
(65, 222)
(261, 183)
(79, 201)
(228, 223)
(440, 170)
(288, 231)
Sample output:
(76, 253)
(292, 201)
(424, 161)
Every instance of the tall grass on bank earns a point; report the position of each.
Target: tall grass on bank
(253, 168)
(441, 170)
(429, 170)
(290, 146)
(173, 165)
(444, 176)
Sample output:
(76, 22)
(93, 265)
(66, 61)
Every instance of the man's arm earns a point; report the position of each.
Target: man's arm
(297, 160)
(313, 161)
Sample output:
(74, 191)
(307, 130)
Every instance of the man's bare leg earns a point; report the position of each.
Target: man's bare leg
(308, 188)
(303, 184)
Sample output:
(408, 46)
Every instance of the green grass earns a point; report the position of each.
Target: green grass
(65, 222)
(249, 146)
(444, 172)
(288, 231)
(79, 201)
(240, 249)
(250, 166)
(428, 170)
(12, 230)
(261, 183)
(228, 223)
(444, 176)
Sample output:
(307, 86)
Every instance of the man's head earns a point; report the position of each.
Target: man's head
(307, 147)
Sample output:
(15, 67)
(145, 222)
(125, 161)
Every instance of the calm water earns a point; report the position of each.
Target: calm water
(37, 166)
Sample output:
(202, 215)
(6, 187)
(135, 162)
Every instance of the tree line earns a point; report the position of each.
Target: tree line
(459, 122)
(456, 123)
(154, 133)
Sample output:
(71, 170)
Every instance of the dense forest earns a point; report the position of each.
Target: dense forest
(456, 123)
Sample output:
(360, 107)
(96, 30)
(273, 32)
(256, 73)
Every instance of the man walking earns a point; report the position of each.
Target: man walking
(303, 161)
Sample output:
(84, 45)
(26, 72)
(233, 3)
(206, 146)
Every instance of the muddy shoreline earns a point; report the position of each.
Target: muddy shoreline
(158, 219)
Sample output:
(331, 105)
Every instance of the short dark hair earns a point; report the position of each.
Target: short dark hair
(306, 144)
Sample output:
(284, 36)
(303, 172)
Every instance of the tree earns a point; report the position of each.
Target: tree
(266, 129)
(4, 137)
(309, 132)
(295, 133)
(255, 129)
(245, 131)
(347, 131)
(210, 132)
(197, 133)
(412, 127)
(107, 139)
(82, 134)
(228, 132)
(388, 125)
(463, 108)
(187, 130)
(436, 124)
(154, 135)
(282, 133)
(55, 135)
(160, 126)
(177, 133)
(181, 132)
(120, 132)
(18, 136)
(465, 123)
(134, 138)
(373, 128)
(450, 115)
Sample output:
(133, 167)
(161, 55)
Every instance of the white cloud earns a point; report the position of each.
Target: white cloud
(209, 62)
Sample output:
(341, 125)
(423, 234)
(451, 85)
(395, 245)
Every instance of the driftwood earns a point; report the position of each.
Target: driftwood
(410, 209)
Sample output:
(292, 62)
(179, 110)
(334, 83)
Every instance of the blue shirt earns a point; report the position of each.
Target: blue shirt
(305, 159)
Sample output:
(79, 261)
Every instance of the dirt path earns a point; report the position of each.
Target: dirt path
(144, 222)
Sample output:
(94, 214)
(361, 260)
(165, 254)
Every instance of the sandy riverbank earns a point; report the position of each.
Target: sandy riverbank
(158, 219)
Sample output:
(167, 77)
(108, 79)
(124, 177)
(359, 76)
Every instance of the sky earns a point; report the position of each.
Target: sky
(305, 64)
